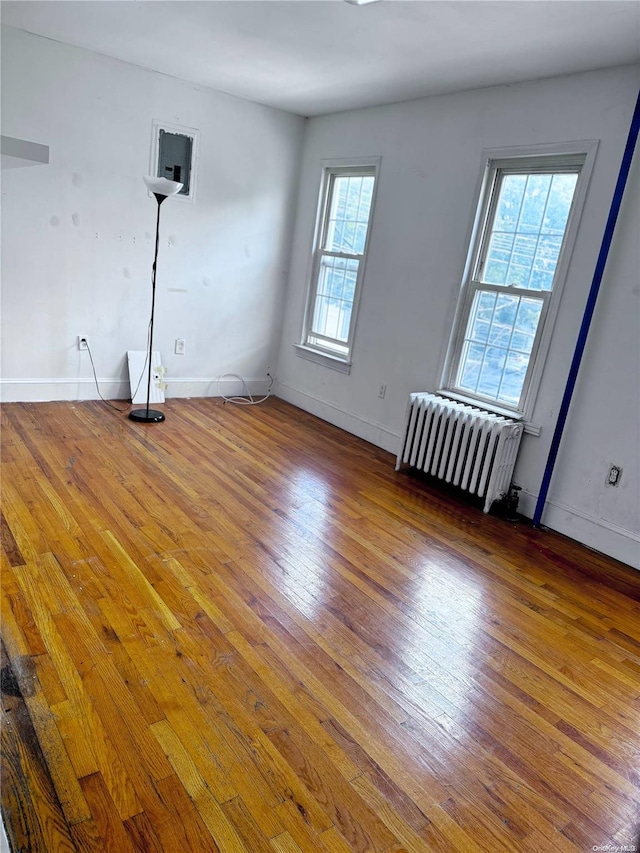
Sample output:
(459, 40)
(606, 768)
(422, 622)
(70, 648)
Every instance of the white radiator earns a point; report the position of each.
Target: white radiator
(460, 444)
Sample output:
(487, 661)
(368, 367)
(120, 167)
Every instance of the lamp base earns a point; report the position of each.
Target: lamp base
(146, 416)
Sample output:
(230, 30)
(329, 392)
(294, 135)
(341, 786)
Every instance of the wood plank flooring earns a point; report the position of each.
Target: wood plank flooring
(242, 631)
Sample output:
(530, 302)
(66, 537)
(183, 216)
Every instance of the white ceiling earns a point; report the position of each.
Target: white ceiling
(320, 56)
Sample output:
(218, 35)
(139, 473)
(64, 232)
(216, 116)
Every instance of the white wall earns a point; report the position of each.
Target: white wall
(78, 233)
(427, 191)
(78, 244)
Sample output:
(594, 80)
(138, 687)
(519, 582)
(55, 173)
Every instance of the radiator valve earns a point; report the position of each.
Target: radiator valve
(507, 506)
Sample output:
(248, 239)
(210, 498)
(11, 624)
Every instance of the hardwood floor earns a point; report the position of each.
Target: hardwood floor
(241, 630)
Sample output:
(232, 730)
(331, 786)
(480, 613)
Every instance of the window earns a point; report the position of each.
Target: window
(342, 233)
(528, 209)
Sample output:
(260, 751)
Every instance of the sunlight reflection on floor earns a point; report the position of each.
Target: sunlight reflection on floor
(443, 605)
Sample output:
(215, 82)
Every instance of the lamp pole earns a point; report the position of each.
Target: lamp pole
(161, 189)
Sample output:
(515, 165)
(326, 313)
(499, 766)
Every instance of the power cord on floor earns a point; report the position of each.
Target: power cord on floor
(95, 377)
(93, 367)
(247, 399)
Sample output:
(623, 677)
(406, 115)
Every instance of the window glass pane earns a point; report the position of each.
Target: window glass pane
(545, 261)
(526, 323)
(510, 203)
(349, 210)
(534, 203)
(483, 316)
(497, 345)
(471, 363)
(522, 255)
(513, 377)
(491, 372)
(528, 228)
(498, 257)
(334, 299)
(503, 320)
(560, 198)
(522, 342)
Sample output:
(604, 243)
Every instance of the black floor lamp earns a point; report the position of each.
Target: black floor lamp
(161, 188)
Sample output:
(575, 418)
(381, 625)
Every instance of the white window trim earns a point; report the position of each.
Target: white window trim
(500, 157)
(323, 358)
(303, 348)
(193, 133)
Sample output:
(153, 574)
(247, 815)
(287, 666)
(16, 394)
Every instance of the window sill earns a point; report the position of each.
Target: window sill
(323, 358)
(529, 428)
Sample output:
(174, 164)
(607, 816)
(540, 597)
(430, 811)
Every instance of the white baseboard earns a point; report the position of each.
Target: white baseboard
(370, 431)
(597, 533)
(226, 387)
(47, 390)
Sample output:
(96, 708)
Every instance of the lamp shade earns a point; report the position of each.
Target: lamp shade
(162, 186)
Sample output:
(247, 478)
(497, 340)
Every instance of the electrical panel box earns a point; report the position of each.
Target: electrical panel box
(174, 158)
(173, 155)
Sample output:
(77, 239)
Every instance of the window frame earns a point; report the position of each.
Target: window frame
(365, 166)
(559, 157)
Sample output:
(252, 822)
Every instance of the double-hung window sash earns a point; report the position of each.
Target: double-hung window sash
(507, 298)
(338, 258)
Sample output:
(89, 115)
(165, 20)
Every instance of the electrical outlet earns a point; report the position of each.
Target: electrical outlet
(382, 391)
(614, 475)
(83, 342)
(179, 346)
